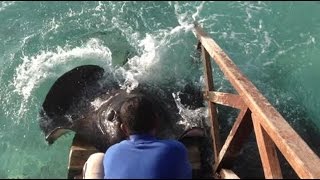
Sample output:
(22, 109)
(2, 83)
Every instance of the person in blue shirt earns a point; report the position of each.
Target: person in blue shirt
(142, 155)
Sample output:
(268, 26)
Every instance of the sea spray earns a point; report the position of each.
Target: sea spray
(272, 44)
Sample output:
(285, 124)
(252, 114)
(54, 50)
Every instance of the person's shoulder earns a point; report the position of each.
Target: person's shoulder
(116, 147)
(175, 150)
(171, 143)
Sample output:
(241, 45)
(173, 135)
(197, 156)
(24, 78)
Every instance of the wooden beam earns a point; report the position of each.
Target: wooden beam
(299, 155)
(78, 155)
(239, 133)
(228, 174)
(268, 153)
(214, 129)
(226, 99)
(208, 70)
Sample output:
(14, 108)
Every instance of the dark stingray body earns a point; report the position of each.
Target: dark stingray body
(68, 106)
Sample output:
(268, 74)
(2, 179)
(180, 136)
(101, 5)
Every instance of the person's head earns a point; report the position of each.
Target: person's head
(138, 116)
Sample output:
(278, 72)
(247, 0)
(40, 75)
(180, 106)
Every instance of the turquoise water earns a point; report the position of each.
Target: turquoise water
(276, 44)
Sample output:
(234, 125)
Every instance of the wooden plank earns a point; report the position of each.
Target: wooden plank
(239, 133)
(78, 156)
(194, 157)
(268, 153)
(299, 155)
(214, 129)
(228, 174)
(79, 153)
(226, 99)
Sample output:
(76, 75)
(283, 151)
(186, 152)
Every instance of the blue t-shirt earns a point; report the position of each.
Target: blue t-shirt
(143, 156)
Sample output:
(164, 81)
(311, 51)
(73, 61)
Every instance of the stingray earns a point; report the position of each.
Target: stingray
(81, 101)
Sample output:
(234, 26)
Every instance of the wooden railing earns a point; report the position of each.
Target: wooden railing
(256, 113)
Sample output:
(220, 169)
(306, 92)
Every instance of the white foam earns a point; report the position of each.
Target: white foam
(184, 27)
(5, 4)
(51, 25)
(267, 42)
(151, 47)
(196, 14)
(190, 118)
(72, 13)
(139, 65)
(260, 24)
(186, 19)
(99, 7)
(267, 63)
(309, 40)
(98, 102)
(36, 69)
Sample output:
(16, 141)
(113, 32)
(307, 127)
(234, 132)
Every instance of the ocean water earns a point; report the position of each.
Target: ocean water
(275, 44)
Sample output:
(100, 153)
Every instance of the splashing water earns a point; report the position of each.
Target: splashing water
(272, 44)
(191, 117)
(37, 68)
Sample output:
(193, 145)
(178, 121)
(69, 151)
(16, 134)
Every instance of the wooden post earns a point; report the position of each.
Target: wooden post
(226, 99)
(212, 109)
(267, 150)
(239, 133)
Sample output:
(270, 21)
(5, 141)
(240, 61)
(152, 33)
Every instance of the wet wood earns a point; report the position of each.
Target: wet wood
(299, 155)
(214, 129)
(228, 174)
(79, 153)
(302, 159)
(238, 135)
(194, 157)
(226, 99)
(267, 151)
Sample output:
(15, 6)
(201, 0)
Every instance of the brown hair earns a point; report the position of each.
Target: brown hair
(138, 114)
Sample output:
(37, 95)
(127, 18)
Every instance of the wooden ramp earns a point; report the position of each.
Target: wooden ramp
(256, 115)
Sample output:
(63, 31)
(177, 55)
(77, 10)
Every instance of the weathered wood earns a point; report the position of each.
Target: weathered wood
(79, 156)
(268, 153)
(214, 129)
(208, 69)
(228, 174)
(226, 99)
(79, 153)
(239, 133)
(299, 155)
(194, 157)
